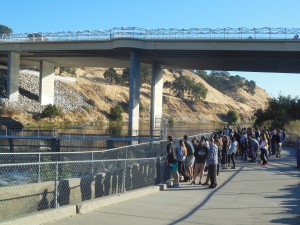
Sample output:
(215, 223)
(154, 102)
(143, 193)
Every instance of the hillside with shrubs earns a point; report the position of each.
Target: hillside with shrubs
(90, 96)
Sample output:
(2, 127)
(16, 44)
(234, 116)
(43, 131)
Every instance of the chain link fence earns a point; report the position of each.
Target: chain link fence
(53, 184)
(31, 182)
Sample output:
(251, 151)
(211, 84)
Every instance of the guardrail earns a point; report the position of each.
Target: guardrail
(160, 34)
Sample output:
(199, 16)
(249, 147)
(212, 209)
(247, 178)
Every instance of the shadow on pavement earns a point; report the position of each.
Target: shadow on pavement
(291, 204)
(206, 199)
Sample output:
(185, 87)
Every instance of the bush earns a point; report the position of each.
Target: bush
(51, 111)
(91, 102)
(171, 121)
(116, 113)
(232, 117)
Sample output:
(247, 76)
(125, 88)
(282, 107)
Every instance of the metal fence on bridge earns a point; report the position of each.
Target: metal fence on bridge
(156, 34)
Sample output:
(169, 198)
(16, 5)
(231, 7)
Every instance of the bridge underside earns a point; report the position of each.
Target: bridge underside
(252, 61)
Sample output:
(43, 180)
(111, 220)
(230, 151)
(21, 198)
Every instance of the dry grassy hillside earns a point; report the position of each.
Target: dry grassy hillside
(91, 84)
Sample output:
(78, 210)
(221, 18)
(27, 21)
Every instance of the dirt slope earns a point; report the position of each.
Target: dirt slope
(91, 84)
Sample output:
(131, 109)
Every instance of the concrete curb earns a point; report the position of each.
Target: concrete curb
(92, 205)
(51, 215)
(45, 216)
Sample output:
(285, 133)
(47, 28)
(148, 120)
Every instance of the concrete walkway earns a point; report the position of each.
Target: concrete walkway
(250, 194)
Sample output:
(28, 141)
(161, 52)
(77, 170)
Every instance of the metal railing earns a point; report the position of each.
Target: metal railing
(161, 33)
(31, 182)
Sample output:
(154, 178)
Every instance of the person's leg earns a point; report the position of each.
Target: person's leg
(264, 157)
(279, 149)
(202, 166)
(213, 175)
(254, 156)
(186, 175)
(196, 172)
(233, 160)
(261, 156)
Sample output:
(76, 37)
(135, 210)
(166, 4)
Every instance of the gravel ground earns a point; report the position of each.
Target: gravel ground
(64, 96)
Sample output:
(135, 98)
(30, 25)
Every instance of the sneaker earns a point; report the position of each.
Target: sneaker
(193, 182)
(176, 185)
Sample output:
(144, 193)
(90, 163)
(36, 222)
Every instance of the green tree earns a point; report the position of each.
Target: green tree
(145, 75)
(70, 70)
(116, 113)
(4, 30)
(198, 92)
(250, 86)
(280, 111)
(231, 117)
(111, 76)
(51, 111)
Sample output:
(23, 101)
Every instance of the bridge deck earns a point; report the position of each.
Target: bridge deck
(251, 194)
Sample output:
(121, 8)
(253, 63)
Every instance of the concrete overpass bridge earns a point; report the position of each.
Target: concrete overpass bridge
(241, 49)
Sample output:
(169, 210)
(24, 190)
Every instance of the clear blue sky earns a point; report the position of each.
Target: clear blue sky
(73, 15)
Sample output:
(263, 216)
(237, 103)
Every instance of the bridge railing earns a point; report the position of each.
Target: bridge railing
(160, 34)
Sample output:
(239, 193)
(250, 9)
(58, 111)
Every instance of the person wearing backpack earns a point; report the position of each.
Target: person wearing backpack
(244, 145)
(254, 148)
(181, 155)
(172, 160)
(190, 159)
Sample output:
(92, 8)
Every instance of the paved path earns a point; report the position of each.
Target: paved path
(251, 194)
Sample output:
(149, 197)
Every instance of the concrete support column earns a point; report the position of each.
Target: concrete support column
(13, 76)
(156, 98)
(134, 93)
(46, 92)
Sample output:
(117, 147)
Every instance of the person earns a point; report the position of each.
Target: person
(190, 159)
(212, 161)
(201, 152)
(298, 152)
(263, 149)
(225, 152)
(278, 139)
(172, 160)
(254, 148)
(233, 149)
(296, 36)
(273, 142)
(244, 145)
(181, 155)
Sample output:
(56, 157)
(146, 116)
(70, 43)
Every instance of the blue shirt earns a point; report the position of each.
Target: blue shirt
(212, 158)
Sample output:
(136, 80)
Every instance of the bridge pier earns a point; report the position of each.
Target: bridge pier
(13, 76)
(156, 97)
(46, 87)
(134, 93)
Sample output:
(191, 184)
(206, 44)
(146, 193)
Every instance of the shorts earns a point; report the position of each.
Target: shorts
(189, 161)
(173, 167)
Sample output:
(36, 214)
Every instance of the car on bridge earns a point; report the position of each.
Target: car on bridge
(36, 37)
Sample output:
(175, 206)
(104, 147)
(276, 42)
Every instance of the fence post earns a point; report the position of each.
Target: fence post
(39, 169)
(56, 185)
(92, 163)
(124, 173)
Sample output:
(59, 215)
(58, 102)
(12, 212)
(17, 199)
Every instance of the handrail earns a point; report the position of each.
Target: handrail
(160, 34)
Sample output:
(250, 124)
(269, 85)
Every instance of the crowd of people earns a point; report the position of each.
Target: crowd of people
(191, 158)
